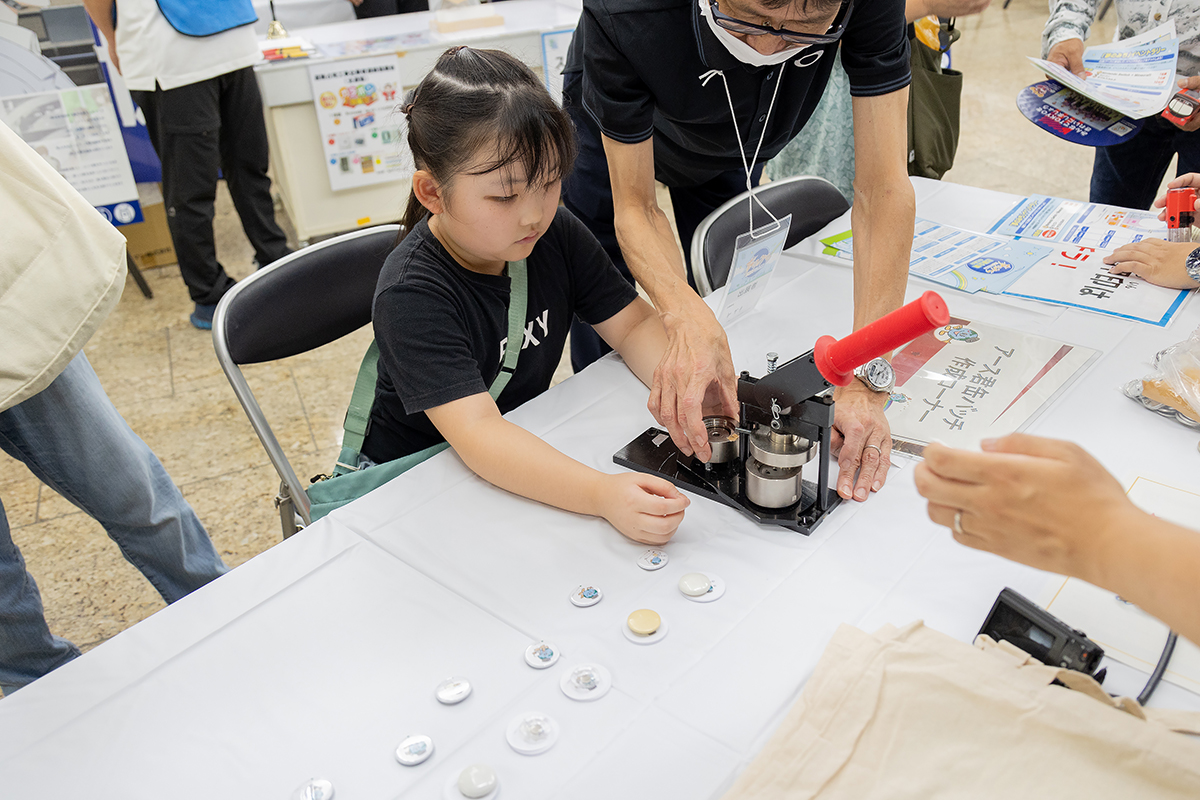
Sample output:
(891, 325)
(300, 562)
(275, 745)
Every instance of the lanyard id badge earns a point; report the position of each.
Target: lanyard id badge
(755, 256)
(757, 252)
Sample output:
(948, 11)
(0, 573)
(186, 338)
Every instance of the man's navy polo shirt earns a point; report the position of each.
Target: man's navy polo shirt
(641, 62)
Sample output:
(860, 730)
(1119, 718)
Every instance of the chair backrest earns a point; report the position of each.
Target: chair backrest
(813, 203)
(300, 302)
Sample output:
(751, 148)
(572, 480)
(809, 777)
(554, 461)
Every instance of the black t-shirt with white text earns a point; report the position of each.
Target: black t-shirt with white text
(442, 328)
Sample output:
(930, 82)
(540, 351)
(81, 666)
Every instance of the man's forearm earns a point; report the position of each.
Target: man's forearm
(650, 250)
(882, 218)
(101, 12)
(1069, 19)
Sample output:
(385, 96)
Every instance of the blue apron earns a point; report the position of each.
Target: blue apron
(207, 17)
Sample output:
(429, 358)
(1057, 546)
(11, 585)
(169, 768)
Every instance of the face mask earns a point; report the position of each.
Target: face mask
(742, 51)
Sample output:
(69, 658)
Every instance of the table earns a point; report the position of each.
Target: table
(297, 158)
(318, 657)
(301, 13)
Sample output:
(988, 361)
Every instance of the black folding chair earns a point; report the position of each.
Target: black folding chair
(812, 202)
(303, 301)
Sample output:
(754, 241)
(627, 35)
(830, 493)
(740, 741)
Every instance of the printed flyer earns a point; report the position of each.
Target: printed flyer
(77, 132)
(1077, 276)
(1089, 224)
(968, 381)
(961, 259)
(362, 129)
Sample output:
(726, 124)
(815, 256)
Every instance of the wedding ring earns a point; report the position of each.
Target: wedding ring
(958, 528)
(875, 447)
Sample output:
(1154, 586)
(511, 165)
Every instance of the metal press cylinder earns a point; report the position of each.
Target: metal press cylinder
(772, 487)
(783, 450)
(722, 438)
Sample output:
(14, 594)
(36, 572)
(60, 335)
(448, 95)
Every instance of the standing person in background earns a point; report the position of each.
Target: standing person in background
(62, 270)
(189, 66)
(383, 8)
(1130, 173)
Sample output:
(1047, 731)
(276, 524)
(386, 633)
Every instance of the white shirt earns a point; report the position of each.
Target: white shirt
(151, 50)
(1072, 19)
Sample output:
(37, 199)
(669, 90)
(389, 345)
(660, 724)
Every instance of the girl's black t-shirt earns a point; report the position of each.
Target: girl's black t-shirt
(442, 329)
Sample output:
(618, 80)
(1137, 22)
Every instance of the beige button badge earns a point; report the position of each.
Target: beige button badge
(645, 626)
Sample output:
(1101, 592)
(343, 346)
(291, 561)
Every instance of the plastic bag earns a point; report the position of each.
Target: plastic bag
(1175, 389)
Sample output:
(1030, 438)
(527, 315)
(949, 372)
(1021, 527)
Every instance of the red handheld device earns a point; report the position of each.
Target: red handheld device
(1181, 213)
(837, 358)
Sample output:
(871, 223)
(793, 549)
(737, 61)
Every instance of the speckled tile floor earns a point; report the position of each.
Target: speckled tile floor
(163, 377)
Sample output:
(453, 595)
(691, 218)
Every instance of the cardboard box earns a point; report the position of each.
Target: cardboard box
(150, 241)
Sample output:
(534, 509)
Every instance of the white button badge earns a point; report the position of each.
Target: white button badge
(541, 655)
(652, 560)
(701, 588)
(532, 733)
(586, 682)
(585, 596)
(477, 781)
(453, 691)
(414, 750)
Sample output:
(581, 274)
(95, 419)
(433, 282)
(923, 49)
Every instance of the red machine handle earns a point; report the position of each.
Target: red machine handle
(837, 358)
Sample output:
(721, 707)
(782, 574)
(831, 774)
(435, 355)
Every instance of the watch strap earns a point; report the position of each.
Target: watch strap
(1192, 265)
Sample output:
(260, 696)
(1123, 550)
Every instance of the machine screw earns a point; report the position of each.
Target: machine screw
(772, 360)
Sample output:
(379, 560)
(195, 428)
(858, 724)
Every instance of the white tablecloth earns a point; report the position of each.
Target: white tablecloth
(318, 657)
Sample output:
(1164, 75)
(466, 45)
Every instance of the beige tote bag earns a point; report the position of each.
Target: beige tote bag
(913, 713)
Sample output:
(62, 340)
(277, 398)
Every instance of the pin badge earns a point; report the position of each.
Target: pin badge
(532, 733)
(645, 627)
(652, 560)
(414, 750)
(477, 781)
(453, 691)
(585, 596)
(586, 682)
(541, 655)
(701, 588)
(316, 789)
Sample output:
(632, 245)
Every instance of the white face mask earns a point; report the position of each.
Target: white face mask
(744, 52)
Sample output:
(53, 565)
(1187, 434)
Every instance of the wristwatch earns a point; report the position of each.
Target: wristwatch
(877, 374)
(1193, 265)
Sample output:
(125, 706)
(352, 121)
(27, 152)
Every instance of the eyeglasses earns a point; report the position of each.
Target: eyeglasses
(738, 26)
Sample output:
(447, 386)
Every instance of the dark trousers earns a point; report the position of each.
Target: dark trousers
(1130, 173)
(588, 195)
(383, 8)
(200, 130)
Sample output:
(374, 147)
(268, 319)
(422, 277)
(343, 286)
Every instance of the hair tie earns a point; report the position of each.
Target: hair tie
(458, 48)
(406, 109)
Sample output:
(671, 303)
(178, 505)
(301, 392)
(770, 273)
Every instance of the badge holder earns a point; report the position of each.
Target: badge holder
(755, 256)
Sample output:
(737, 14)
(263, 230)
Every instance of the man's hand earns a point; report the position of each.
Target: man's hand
(1068, 53)
(694, 379)
(1191, 179)
(644, 508)
(1194, 123)
(862, 440)
(1042, 502)
(1157, 261)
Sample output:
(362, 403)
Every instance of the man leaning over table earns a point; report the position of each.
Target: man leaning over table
(62, 269)
(650, 85)
(1130, 173)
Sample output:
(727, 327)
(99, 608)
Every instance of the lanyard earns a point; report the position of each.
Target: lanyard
(704, 79)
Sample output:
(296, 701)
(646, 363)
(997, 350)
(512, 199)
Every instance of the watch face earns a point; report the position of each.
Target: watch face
(880, 373)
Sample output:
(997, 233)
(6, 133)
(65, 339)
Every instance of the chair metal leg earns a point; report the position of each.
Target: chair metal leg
(137, 276)
(1104, 9)
(289, 520)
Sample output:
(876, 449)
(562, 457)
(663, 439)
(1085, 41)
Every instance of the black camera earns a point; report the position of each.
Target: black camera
(1015, 619)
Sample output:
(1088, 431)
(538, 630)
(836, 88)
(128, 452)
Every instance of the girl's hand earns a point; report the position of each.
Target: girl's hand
(642, 507)
(1159, 262)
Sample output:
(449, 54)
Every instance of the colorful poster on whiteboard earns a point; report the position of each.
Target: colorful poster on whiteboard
(77, 132)
(968, 381)
(362, 128)
(554, 60)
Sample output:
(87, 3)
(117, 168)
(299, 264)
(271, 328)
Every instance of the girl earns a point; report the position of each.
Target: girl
(491, 149)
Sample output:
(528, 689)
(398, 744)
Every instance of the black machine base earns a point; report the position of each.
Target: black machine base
(653, 452)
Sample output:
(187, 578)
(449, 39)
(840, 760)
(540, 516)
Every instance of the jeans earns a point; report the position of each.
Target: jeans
(73, 439)
(587, 193)
(1130, 173)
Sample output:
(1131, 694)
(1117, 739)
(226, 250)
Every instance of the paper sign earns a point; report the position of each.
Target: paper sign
(1088, 224)
(957, 258)
(1128, 634)
(554, 60)
(754, 259)
(1071, 116)
(1077, 276)
(362, 128)
(968, 381)
(77, 132)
